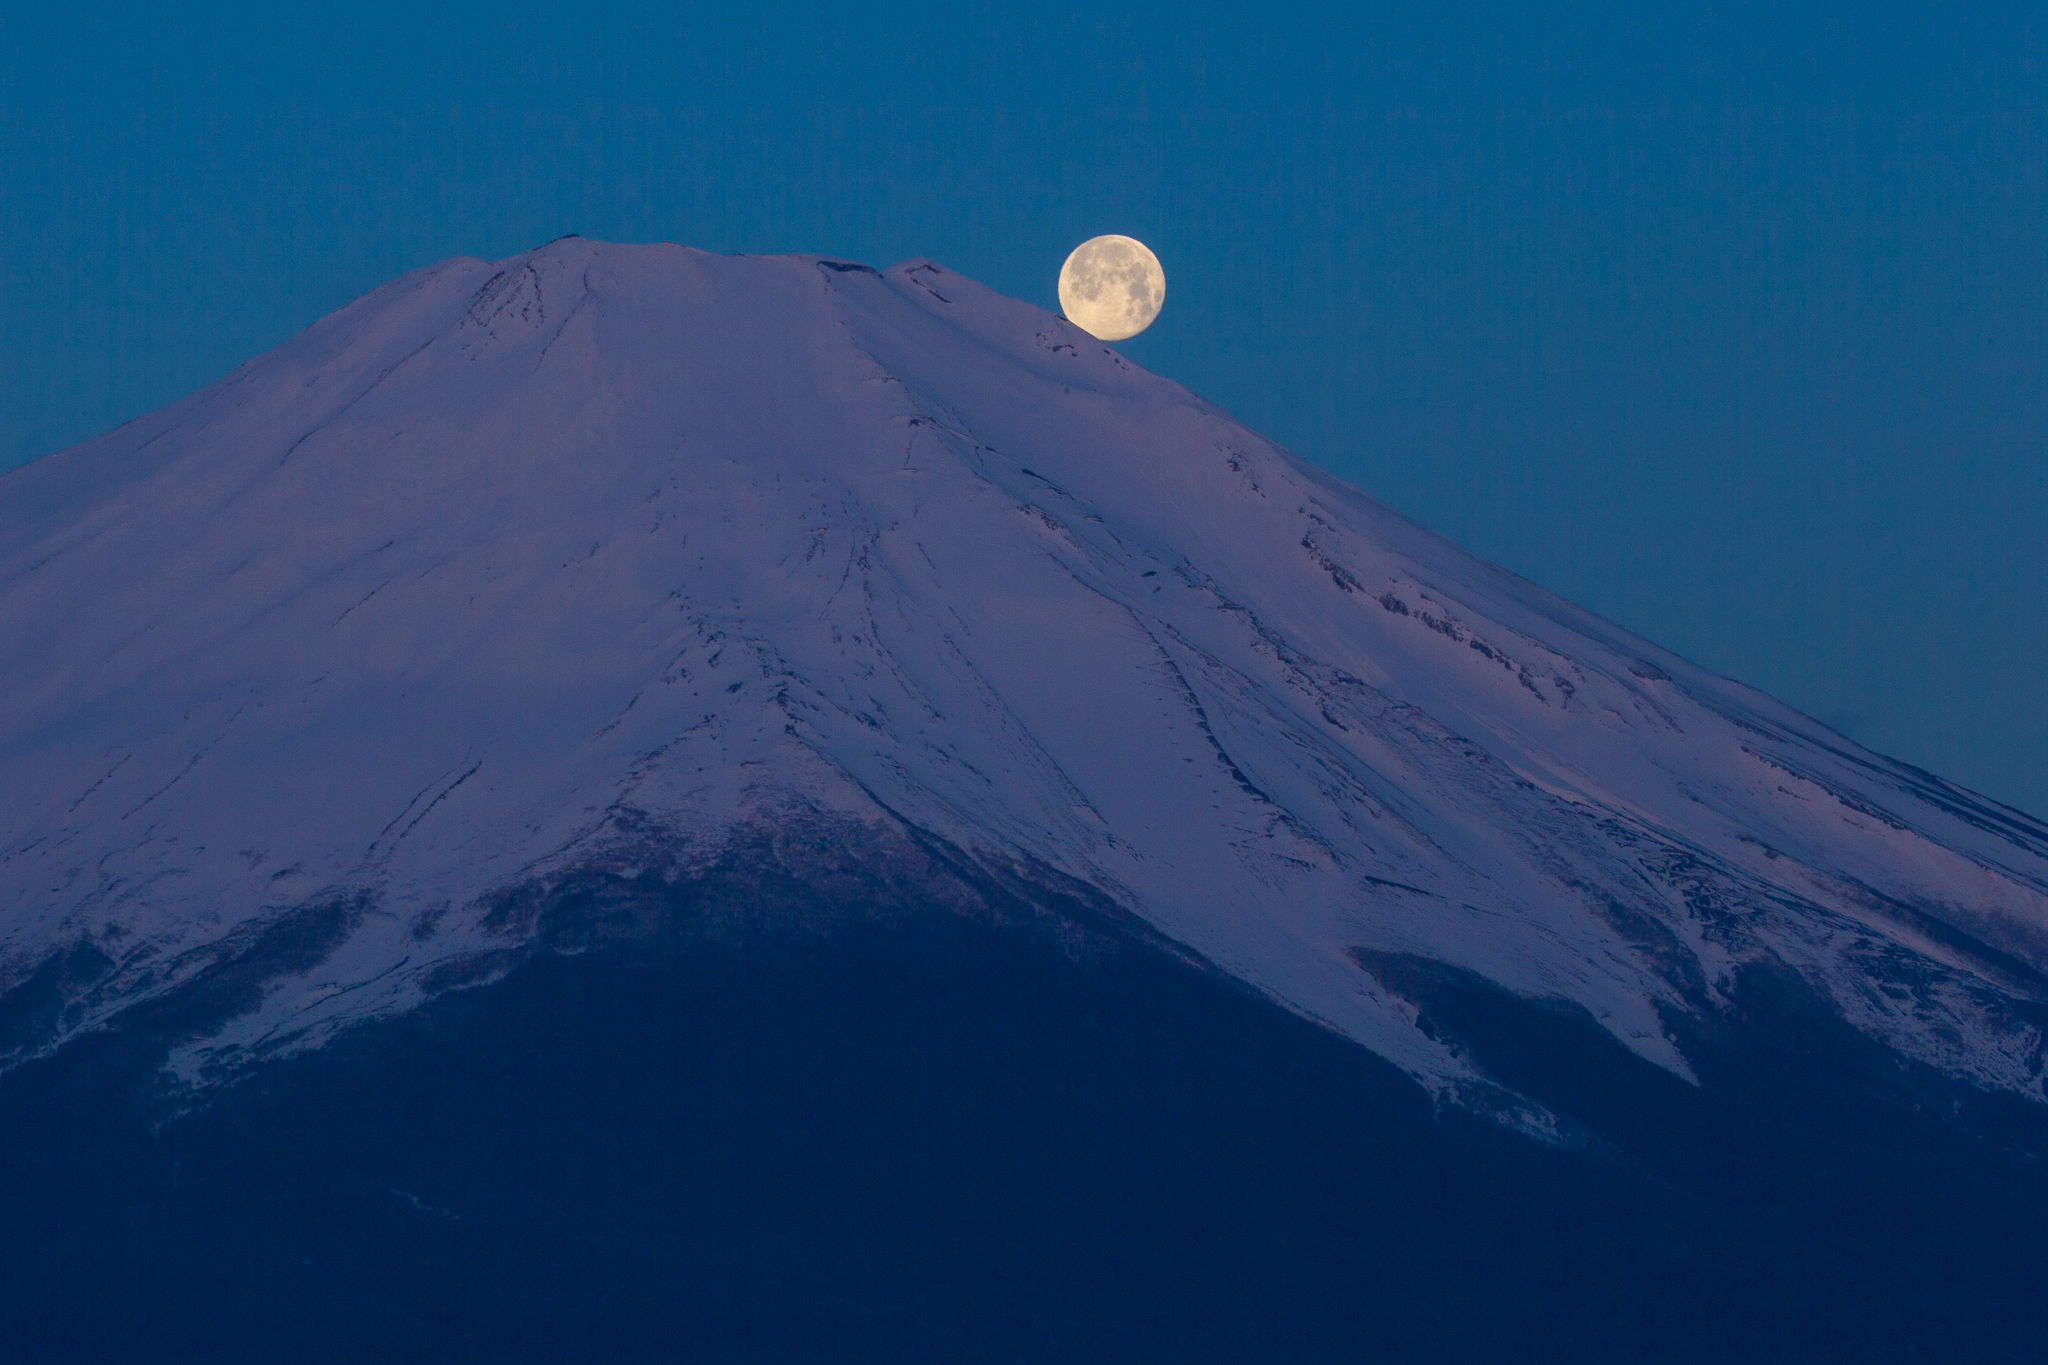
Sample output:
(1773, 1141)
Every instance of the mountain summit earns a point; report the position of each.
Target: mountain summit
(503, 603)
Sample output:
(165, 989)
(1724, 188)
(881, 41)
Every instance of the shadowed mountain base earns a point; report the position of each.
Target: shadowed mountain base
(932, 1138)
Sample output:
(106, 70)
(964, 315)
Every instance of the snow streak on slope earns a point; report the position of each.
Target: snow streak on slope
(504, 566)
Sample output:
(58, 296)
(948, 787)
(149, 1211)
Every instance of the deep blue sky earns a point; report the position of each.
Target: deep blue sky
(1731, 326)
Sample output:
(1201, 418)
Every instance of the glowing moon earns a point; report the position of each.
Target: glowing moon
(1112, 287)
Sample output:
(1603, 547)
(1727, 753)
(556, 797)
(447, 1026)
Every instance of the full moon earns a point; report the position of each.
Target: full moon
(1112, 287)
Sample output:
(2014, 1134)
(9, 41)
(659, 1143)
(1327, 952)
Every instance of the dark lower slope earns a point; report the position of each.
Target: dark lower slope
(931, 1137)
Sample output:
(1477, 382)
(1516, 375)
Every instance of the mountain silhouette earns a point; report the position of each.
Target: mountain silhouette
(633, 802)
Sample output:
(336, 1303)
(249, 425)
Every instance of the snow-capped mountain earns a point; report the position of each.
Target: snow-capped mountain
(316, 686)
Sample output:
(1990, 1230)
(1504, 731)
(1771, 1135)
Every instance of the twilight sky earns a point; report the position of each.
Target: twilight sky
(1732, 327)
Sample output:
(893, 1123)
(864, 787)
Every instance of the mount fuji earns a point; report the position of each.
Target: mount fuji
(631, 800)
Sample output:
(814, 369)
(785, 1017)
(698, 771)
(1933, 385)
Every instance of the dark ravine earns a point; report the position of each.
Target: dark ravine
(214, 983)
(820, 1106)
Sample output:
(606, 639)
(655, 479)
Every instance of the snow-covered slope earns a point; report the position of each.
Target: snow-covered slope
(504, 566)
